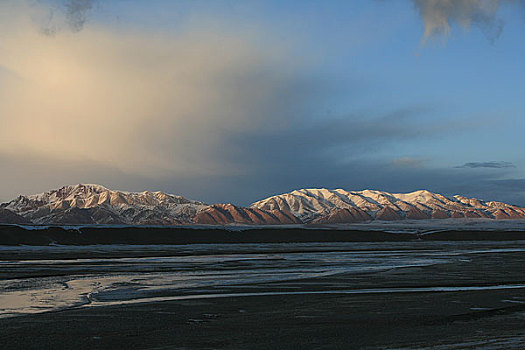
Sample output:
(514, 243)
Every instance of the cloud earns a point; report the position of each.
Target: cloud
(152, 103)
(51, 17)
(340, 152)
(492, 165)
(181, 104)
(440, 15)
(77, 12)
(488, 188)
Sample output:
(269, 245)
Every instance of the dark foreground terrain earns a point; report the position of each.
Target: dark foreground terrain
(419, 294)
(455, 320)
(476, 230)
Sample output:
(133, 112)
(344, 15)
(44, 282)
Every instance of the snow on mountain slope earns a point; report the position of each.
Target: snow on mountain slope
(339, 206)
(95, 204)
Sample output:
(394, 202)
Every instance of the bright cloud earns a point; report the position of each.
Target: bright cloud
(143, 102)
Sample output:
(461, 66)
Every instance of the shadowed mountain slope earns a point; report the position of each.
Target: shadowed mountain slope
(86, 204)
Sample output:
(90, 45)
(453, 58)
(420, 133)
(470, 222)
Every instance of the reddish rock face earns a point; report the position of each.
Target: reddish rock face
(440, 214)
(224, 214)
(416, 214)
(471, 214)
(360, 214)
(507, 214)
(501, 215)
(475, 214)
(457, 215)
(284, 217)
(520, 212)
(213, 216)
(257, 215)
(483, 214)
(388, 214)
(514, 214)
(343, 216)
(205, 218)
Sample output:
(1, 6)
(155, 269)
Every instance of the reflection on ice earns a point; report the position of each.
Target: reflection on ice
(339, 291)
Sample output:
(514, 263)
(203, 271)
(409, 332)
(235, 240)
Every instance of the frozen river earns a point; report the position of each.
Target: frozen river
(42, 279)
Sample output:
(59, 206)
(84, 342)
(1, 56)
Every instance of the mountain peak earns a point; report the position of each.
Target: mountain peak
(95, 187)
(319, 205)
(99, 204)
(96, 204)
(84, 188)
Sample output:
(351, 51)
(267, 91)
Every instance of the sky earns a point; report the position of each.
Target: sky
(235, 101)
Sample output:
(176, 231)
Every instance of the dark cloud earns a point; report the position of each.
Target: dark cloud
(303, 144)
(510, 191)
(440, 15)
(492, 165)
(334, 153)
(53, 18)
(77, 12)
(358, 174)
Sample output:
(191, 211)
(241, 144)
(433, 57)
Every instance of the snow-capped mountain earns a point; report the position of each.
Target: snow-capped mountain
(87, 204)
(340, 206)
(95, 204)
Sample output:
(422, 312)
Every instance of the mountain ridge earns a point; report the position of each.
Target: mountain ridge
(318, 204)
(96, 204)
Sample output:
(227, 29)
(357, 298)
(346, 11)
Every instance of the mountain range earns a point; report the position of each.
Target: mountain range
(87, 204)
